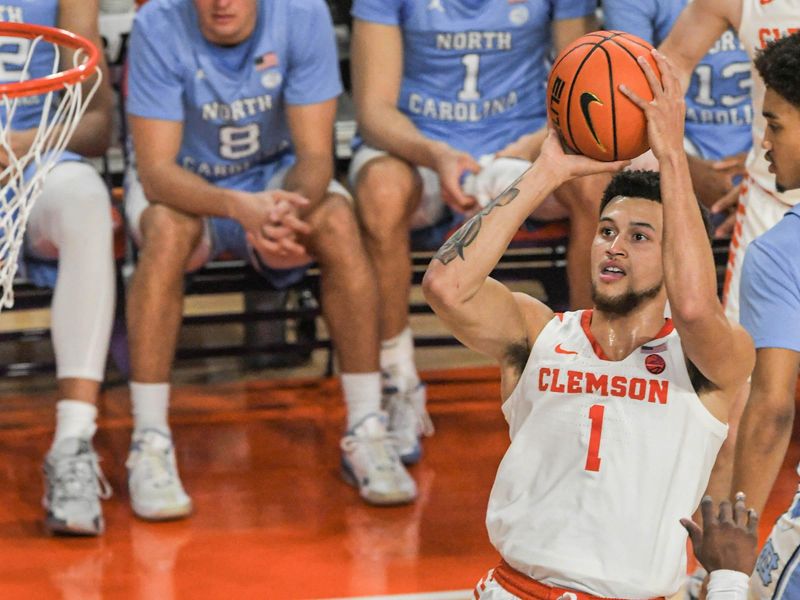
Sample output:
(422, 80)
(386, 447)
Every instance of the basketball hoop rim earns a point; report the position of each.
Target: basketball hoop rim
(58, 80)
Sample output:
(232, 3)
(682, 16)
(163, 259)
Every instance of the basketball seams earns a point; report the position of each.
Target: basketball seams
(613, 103)
(628, 37)
(569, 95)
(619, 50)
(597, 45)
(571, 50)
(632, 55)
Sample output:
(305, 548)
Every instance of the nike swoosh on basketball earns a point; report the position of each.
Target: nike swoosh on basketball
(560, 350)
(586, 100)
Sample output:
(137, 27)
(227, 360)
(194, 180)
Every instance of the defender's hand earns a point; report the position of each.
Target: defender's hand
(727, 205)
(713, 179)
(729, 537)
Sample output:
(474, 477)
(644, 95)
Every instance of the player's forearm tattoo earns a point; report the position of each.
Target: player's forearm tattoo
(462, 238)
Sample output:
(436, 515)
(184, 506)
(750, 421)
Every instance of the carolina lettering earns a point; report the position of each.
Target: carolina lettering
(742, 115)
(461, 112)
(654, 391)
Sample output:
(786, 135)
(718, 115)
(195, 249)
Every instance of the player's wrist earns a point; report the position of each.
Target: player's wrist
(550, 171)
(438, 153)
(234, 202)
(725, 584)
(673, 158)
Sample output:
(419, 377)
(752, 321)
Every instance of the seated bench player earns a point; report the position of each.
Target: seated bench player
(68, 247)
(449, 96)
(231, 108)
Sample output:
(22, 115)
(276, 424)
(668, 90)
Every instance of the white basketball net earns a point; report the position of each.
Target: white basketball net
(23, 172)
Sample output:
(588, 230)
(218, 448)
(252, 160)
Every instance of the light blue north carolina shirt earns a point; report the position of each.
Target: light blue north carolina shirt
(14, 52)
(769, 294)
(474, 71)
(719, 113)
(232, 100)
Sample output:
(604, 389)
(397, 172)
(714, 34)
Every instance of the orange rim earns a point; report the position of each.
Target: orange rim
(57, 80)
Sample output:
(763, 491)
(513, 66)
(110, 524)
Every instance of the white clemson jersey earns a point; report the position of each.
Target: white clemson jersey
(605, 458)
(762, 22)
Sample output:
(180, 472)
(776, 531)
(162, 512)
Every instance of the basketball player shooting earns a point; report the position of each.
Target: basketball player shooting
(615, 414)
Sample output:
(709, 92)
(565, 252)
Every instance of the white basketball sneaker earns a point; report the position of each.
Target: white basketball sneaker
(73, 488)
(371, 463)
(153, 481)
(404, 403)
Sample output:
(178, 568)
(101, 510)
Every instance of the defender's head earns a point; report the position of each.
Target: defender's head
(779, 67)
(226, 22)
(627, 267)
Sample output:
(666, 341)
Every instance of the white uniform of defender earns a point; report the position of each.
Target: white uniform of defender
(761, 206)
(605, 458)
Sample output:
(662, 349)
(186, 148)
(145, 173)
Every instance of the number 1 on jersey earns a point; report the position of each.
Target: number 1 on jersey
(593, 457)
(472, 63)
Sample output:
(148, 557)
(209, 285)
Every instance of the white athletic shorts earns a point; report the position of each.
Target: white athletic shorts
(432, 209)
(221, 235)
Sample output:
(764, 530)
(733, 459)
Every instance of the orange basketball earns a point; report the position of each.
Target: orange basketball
(584, 101)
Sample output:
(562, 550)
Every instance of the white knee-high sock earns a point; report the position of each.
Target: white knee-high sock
(72, 221)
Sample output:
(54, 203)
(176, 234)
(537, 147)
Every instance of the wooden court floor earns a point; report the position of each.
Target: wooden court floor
(273, 518)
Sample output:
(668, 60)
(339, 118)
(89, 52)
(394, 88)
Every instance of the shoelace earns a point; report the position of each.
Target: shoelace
(79, 477)
(155, 463)
(379, 449)
(406, 412)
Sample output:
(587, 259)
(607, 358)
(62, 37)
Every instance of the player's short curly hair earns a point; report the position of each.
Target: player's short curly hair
(643, 184)
(779, 66)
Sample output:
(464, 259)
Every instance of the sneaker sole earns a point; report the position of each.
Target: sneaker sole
(411, 458)
(173, 514)
(374, 499)
(57, 527)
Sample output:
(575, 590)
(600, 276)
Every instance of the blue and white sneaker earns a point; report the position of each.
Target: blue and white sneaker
(408, 417)
(73, 488)
(371, 463)
(156, 490)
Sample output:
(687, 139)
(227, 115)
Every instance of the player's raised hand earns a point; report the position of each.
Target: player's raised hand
(728, 538)
(565, 164)
(666, 111)
(450, 166)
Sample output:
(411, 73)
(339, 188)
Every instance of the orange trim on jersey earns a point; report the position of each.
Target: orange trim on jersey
(586, 325)
(525, 588)
(560, 316)
(770, 193)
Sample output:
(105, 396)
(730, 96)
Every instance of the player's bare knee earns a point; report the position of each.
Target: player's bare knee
(385, 193)
(335, 228)
(170, 232)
